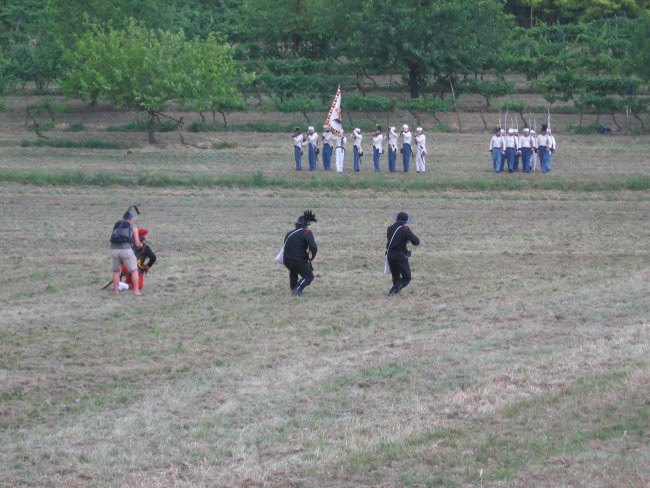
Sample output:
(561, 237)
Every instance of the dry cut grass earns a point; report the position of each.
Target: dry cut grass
(517, 357)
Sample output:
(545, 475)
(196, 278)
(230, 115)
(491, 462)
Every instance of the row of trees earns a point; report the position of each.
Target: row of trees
(139, 54)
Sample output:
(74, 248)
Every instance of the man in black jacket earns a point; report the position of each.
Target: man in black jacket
(299, 250)
(397, 237)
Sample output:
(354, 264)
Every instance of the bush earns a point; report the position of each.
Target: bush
(428, 104)
(141, 126)
(77, 127)
(298, 104)
(46, 107)
(582, 129)
(223, 145)
(369, 103)
(91, 144)
(253, 126)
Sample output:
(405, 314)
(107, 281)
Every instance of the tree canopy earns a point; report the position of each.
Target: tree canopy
(143, 69)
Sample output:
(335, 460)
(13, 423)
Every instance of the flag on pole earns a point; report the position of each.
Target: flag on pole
(335, 116)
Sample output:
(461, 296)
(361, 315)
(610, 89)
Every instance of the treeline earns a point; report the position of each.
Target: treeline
(219, 55)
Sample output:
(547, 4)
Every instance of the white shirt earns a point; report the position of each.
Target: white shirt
(511, 141)
(496, 141)
(340, 141)
(298, 140)
(407, 136)
(392, 139)
(378, 141)
(526, 141)
(544, 140)
(421, 141)
(327, 137)
(312, 139)
(357, 139)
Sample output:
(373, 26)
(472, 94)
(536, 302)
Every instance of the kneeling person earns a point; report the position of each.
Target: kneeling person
(145, 260)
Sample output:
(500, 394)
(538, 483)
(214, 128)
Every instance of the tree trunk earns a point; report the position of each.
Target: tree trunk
(151, 126)
(485, 126)
(618, 127)
(414, 82)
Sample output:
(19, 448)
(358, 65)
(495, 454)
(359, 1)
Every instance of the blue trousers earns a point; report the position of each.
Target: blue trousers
(544, 159)
(297, 153)
(312, 157)
(357, 157)
(392, 160)
(375, 159)
(526, 154)
(515, 167)
(497, 160)
(510, 157)
(406, 153)
(327, 156)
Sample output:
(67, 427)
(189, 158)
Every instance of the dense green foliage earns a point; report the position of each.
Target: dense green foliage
(216, 55)
(142, 70)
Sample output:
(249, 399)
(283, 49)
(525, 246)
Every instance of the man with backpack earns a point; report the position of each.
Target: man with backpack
(124, 236)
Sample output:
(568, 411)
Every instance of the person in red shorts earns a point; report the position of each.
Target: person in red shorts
(146, 259)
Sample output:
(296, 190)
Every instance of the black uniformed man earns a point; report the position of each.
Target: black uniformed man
(299, 251)
(397, 237)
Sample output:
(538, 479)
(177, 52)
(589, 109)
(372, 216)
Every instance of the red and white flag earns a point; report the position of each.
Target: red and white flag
(335, 117)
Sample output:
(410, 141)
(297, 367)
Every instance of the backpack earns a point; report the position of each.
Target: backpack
(122, 232)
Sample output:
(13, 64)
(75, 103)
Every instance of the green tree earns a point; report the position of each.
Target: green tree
(214, 81)
(285, 29)
(29, 42)
(534, 12)
(640, 55)
(142, 70)
(426, 40)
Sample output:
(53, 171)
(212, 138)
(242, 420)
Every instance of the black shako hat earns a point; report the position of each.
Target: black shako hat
(306, 218)
(402, 217)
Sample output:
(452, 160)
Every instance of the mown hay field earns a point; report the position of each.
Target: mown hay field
(518, 356)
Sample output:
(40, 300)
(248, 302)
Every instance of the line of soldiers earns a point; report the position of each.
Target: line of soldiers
(299, 250)
(528, 147)
(334, 145)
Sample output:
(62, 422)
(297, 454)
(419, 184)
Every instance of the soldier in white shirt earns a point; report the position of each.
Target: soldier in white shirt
(377, 147)
(544, 149)
(392, 150)
(511, 149)
(312, 141)
(298, 142)
(533, 157)
(357, 150)
(497, 148)
(328, 142)
(407, 137)
(420, 150)
(339, 151)
(526, 145)
(552, 148)
(515, 167)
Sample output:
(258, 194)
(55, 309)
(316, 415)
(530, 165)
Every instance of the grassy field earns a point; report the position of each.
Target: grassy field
(517, 357)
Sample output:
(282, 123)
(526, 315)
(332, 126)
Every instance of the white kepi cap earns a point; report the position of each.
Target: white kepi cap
(405, 127)
(419, 129)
